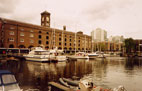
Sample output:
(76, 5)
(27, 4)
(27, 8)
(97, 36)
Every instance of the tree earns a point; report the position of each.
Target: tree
(129, 45)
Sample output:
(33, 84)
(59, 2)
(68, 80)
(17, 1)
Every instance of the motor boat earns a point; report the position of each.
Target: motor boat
(79, 55)
(40, 55)
(93, 55)
(8, 81)
(59, 55)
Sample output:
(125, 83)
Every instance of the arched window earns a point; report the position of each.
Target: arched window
(70, 48)
(47, 47)
(21, 46)
(11, 46)
(30, 46)
(65, 48)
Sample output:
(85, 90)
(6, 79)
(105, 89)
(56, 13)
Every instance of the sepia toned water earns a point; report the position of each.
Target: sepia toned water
(108, 73)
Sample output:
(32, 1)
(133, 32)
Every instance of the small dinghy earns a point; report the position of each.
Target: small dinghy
(63, 83)
(71, 82)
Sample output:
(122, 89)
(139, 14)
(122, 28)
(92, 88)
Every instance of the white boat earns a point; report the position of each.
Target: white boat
(79, 55)
(93, 55)
(100, 54)
(89, 86)
(40, 55)
(59, 54)
(8, 81)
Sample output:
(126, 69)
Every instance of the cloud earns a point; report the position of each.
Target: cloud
(105, 9)
(8, 6)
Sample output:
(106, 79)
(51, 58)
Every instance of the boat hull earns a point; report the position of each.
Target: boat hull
(77, 57)
(37, 59)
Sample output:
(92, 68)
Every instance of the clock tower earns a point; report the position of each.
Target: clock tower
(45, 19)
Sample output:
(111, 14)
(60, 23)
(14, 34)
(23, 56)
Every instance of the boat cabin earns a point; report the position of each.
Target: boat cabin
(8, 81)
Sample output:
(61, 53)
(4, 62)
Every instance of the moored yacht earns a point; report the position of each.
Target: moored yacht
(40, 55)
(59, 54)
(93, 55)
(79, 55)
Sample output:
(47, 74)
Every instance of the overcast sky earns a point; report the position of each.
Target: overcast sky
(117, 17)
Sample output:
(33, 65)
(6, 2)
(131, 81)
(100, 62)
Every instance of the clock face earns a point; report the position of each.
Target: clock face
(47, 18)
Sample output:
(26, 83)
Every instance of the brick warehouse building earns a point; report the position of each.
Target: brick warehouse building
(15, 34)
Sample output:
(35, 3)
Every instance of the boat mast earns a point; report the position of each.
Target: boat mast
(92, 46)
(54, 36)
(75, 43)
(62, 39)
(85, 43)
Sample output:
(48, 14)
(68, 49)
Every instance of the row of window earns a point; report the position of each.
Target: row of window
(31, 41)
(22, 29)
(32, 35)
(39, 42)
(21, 34)
(21, 40)
(70, 44)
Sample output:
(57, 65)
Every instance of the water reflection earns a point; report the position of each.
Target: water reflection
(110, 72)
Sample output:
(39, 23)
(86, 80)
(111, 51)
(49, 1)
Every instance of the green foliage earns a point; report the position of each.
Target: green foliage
(129, 45)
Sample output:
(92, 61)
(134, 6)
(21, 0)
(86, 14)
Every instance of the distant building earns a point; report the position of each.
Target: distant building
(108, 46)
(99, 35)
(116, 39)
(15, 34)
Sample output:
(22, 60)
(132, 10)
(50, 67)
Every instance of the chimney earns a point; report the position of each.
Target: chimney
(64, 28)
